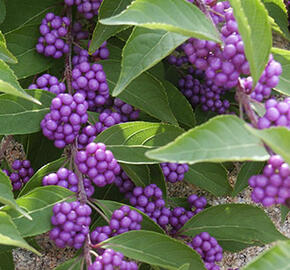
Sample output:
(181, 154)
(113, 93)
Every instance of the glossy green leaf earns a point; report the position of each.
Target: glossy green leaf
(155, 249)
(278, 12)
(180, 17)
(180, 106)
(223, 138)
(283, 57)
(27, 120)
(211, 177)
(130, 141)
(36, 180)
(247, 170)
(7, 262)
(10, 85)
(110, 206)
(5, 54)
(235, 226)
(277, 257)
(9, 234)
(144, 48)
(103, 32)
(277, 138)
(139, 174)
(255, 29)
(38, 204)
(2, 11)
(6, 194)
(72, 264)
(145, 93)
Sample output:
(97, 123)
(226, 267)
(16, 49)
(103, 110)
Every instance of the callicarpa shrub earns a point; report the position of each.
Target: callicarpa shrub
(145, 134)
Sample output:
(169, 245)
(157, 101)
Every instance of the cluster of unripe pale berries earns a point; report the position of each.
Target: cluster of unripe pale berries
(111, 260)
(208, 96)
(208, 248)
(63, 123)
(71, 221)
(268, 80)
(174, 172)
(277, 114)
(68, 179)
(90, 81)
(123, 220)
(89, 8)
(98, 164)
(273, 186)
(21, 174)
(53, 30)
(49, 83)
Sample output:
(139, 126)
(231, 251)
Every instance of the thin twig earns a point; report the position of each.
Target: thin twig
(99, 212)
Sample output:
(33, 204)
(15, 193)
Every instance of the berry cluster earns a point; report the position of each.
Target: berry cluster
(277, 114)
(174, 172)
(78, 32)
(209, 96)
(88, 134)
(90, 81)
(71, 221)
(269, 79)
(208, 248)
(107, 119)
(89, 8)
(63, 123)
(112, 260)
(149, 201)
(49, 83)
(82, 55)
(273, 186)
(53, 30)
(197, 204)
(98, 164)
(124, 183)
(67, 179)
(127, 112)
(22, 173)
(123, 220)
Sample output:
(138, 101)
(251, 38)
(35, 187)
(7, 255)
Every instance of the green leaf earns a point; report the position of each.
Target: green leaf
(27, 12)
(277, 257)
(5, 54)
(72, 264)
(103, 32)
(2, 11)
(15, 121)
(180, 106)
(139, 174)
(235, 226)
(145, 93)
(36, 180)
(211, 177)
(10, 236)
(179, 17)
(283, 57)
(38, 204)
(155, 249)
(10, 85)
(21, 42)
(144, 48)
(277, 138)
(7, 262)
(247, 170)
(184, 267)
(255, 29)
(129, 141)
(6, 194)
(278, 12)
(223, 138)
(110, 206)
(284, 212)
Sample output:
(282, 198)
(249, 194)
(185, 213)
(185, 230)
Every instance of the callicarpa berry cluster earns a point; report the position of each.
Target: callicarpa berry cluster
(113, 190)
